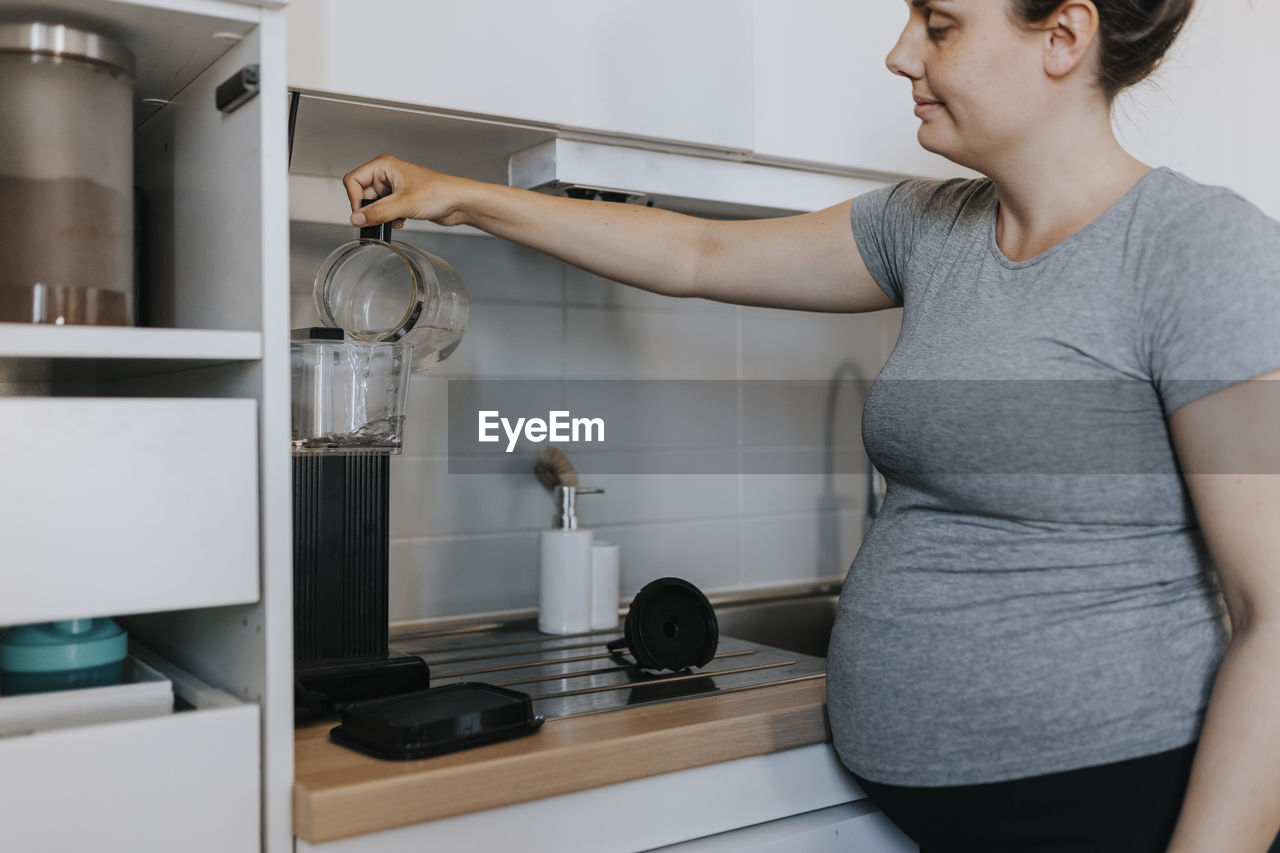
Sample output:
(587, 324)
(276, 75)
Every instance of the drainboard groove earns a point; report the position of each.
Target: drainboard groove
(650, 681)
(568, 675)
(506, 666)
(438, 661)
(555, 661)
(546, 641)
(720, 692)
(582, 677)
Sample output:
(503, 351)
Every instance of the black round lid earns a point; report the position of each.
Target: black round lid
(671, 625)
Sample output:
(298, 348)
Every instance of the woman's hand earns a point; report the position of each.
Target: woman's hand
(404, 191)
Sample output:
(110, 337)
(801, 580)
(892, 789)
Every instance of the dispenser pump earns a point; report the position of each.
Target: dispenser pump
(567, 504)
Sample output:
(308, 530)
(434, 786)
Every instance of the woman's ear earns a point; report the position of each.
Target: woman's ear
(1072, 31)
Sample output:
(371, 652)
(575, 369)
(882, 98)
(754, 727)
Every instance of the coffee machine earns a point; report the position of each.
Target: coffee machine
(348, 417)
(388, 309)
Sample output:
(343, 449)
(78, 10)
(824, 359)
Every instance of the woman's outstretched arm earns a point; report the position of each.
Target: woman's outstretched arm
(807, 262)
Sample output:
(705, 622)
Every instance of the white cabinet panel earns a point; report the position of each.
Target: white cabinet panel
(185, 781)
(666, 69)
(848, 828)
(115, 506)
(824, 95)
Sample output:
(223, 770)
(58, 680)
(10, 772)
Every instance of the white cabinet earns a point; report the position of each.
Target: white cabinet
(797, 84)
(146, 470)
(823, 94)
(855, 827)
(668, 70)
(187, 781)
(128, 505)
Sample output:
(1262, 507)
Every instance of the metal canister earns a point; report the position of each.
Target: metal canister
(66, 176)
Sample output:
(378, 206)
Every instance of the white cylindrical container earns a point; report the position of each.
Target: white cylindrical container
(564, 581)
(66, 162)
(605, 585)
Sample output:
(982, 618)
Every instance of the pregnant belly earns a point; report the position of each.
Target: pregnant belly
(971, 686)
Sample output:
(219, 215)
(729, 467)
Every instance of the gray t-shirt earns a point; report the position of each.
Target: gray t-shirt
(1036, 595)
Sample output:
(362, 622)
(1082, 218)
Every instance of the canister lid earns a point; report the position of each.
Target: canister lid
(61, 646)
(50, 39)
(670, 625)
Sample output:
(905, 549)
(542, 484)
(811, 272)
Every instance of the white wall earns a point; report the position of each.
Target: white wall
(1210, 110)
(468, 543)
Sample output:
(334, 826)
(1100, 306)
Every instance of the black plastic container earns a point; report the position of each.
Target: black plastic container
(670, 625)
(436, 721)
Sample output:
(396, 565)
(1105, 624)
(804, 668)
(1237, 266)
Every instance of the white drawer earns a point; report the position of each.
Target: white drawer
(186, 781)
(847, 828)
(113, 506)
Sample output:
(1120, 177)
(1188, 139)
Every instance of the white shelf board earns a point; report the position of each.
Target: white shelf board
(21, 340)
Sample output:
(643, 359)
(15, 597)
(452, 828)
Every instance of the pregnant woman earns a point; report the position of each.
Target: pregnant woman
(1063, 631)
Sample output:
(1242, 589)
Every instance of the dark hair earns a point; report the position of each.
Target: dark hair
(1133, 35)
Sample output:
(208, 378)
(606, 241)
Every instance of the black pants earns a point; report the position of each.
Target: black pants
(1126, 807)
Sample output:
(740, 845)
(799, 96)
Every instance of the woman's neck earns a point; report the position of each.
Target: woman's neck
(1058, 183)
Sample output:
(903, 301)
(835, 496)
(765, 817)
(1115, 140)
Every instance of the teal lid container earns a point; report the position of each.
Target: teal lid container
(63, 655)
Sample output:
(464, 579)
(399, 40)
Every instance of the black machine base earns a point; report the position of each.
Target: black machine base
(325, 689)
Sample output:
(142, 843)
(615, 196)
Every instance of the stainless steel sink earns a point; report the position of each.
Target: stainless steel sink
(799, 623)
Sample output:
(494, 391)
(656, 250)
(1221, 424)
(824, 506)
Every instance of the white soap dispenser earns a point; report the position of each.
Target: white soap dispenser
(564, 568)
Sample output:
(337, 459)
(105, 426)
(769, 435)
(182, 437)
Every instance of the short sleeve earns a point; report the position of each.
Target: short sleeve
(889, 225)
(1212, 299)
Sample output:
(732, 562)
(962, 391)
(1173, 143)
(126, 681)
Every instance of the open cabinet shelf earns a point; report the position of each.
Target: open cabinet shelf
(147, 469)
(20, 341)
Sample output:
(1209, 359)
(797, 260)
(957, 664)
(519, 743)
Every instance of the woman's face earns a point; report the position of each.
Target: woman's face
(978, 78)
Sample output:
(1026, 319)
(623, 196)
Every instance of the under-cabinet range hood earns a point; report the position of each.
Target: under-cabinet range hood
(333, 135)
(685, 182)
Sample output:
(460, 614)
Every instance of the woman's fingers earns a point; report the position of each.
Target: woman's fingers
(386, 209)
(378, 178)
(357, 181)
(402, 191)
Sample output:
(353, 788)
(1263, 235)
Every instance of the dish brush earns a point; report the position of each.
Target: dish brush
(553, 469)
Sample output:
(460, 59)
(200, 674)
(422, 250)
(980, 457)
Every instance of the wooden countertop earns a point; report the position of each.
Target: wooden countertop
(339, 793)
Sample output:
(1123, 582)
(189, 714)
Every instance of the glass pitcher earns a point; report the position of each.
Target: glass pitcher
(378, 291)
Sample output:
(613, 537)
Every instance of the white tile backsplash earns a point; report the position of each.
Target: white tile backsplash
(604, 343)
(659, 498)
(496, 270)
(426, 500)
(467, 543)
(773, 494)
(508, 341)
(800, 547)
(807, 345)
(464, 574)
(426, 417)
(704, 553)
